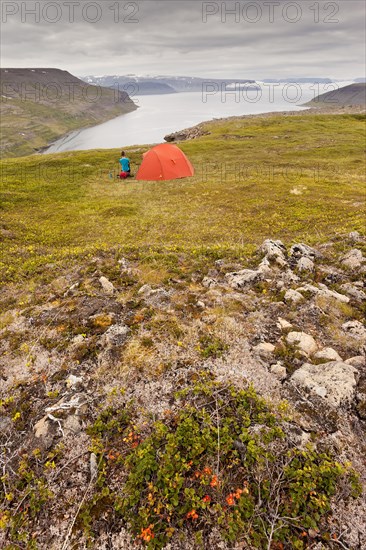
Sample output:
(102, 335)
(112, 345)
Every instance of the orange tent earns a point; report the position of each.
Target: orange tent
(164, 162)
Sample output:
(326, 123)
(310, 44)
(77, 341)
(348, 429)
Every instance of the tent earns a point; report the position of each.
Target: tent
(164, 162)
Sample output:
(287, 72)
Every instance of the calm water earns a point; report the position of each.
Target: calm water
(159, 115)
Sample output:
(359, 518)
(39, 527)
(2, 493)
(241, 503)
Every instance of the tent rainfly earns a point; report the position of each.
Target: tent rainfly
(164, 162)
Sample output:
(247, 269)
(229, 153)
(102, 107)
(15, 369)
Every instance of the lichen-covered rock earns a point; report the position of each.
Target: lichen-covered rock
(305, 264)
(328, 354)
(116, 335)
(323, 290)
(304, 342)
(352, 290)
(293, 296)
(335, 381)
(275, 251)
(209, 282)
(355, 329)
(264, 349)
(283, 324)
(358, 361)
(303, 250)
(239, 279)
(279, 371)
(353, 259)
(107, 286)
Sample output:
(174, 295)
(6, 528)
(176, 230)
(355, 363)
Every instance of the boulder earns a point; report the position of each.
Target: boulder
(145, 290)
(275, 251)
(116, 335)
(42, 427)
(355, 329)
(358, 361)
(279, 371)
(72, 425)
(283, 324)
(305, 264)
(208, 282)
(352, 290)
(327, 354)
(353, 259)
(107, 286)
(264, 349)
(335, 382)
(304, 342)
(355, 236)
(303, 250)
(323, 290)
(293, 296)
(239, 279)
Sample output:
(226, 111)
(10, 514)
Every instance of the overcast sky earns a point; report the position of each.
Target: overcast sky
(261, 39)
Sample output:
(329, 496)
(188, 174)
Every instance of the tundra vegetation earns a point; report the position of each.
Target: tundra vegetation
(168, 379)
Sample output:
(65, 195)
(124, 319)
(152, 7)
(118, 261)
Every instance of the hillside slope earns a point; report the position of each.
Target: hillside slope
(352, 95)
(150, 331)
(40, 105)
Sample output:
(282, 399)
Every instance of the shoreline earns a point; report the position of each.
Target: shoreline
(198, 130)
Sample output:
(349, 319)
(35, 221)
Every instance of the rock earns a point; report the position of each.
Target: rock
(355, 236)
(288, 277)
(293, 296)
(116, 335)
(275, 251)
(279, 371)
(159, 298)
(72, 425)
(283, 324)
(301, 250)
(303, 341)
(323, 290)
(264, 267)
(328, 354)
(358, 361)
(355, 329)
(208, 282)
(200, 304)
(124, 265)
(334, 382)
(353, 291)
(77, 340)
(145, 290)
(73, 381)
(264, 349)
(305, 264)
(42, 428)
(5, 424)
(240, 279)
(107, 286)
(353, 259)
(93, 466)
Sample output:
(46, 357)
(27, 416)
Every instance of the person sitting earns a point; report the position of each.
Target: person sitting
(125, 166)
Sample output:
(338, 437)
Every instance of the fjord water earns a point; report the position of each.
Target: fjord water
(159, 115)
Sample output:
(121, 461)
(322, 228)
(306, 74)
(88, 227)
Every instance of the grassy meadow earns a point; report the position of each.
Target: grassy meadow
(291, 177)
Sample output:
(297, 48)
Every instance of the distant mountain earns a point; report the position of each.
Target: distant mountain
(132, 85)
(352, 95)
(362, 79)
(143, 85)
(296, 80)
(40, 105)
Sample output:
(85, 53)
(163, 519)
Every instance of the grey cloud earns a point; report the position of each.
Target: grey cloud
(171, 38)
